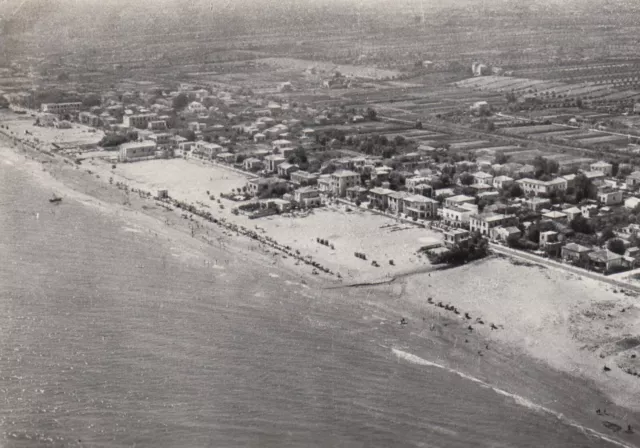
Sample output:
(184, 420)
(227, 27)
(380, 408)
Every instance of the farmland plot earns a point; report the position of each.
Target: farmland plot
(604, 139)
(527, 130)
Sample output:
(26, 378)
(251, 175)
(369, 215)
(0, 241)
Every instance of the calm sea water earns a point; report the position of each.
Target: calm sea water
(107, 339)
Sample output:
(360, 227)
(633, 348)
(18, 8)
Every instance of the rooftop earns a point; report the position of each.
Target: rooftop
(344, 173)
(604, 255)
(459, 198)
(491, 217)
(422, 199)
(577, 248)
(379, 190)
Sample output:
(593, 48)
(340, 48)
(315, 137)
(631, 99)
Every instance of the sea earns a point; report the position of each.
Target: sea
(113, 336)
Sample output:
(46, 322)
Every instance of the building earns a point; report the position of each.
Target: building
(572, 212)
(303, 178)
(420, 207)
(483, 223)
(307, 197)
(264, 186)
(226, 157)
(631, 203)
(556, 216)
(184, 148)
(206, 151)
(163, 140)
(134, 151)
(459, 200)
(575, 252)
(357, 193)
(633, 179)
(480, 107)
(456, 238)
(501, 182)
(501, 233)
(594, 176)
(272, 161)
(286, 169)
(140, 121)
(157, 125)
(324, 183)
(252, 164)
(482, 178)
(196, 108)
(609, 197)
(379, 197)
(458, 216)
(589, 210)
(412, 182)
(342, 180)
(538, 187)
(604, 260)
(549, 241)
(396, 201)
(90, 119)
(61, 108)
(602, 167)
(281, 144)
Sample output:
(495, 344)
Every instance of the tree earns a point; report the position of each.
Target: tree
(582, 187)
(91, 100)
(299, 157)
(399, 140)
(580, 224)
(111, 140)
(515, 190)
(466, 179)
(188, 134)
(180, 101)
(501, 158)
(616, 245)
(533, 232)
(396, 180)
(606, 235)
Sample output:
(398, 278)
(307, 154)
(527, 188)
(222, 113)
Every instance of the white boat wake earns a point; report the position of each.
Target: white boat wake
(517, 398)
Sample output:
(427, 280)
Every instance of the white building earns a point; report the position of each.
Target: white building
(140, 121)
(60, 108)
(134, 151)
(602, 167)
(538, 187)
(501, 182)
(342, 180)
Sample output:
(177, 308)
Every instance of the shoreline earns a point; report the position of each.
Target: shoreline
(90, 191)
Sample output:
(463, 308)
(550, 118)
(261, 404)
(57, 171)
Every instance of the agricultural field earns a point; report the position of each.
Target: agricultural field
(490, 151)
(610, 139)
(469, 145)
(526, 130)
(524, 155)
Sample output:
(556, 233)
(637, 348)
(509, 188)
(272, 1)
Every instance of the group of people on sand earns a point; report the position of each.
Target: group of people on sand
(604, 412)
(455, 310)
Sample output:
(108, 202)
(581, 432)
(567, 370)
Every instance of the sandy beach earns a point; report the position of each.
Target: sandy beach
(348, 229)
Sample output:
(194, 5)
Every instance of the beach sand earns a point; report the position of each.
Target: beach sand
(379, 237)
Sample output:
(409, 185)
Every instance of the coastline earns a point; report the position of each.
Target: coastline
(75, 183)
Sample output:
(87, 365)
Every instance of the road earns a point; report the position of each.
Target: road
(554, 264)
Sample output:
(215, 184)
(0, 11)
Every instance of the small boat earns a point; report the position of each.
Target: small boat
(55, 199)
